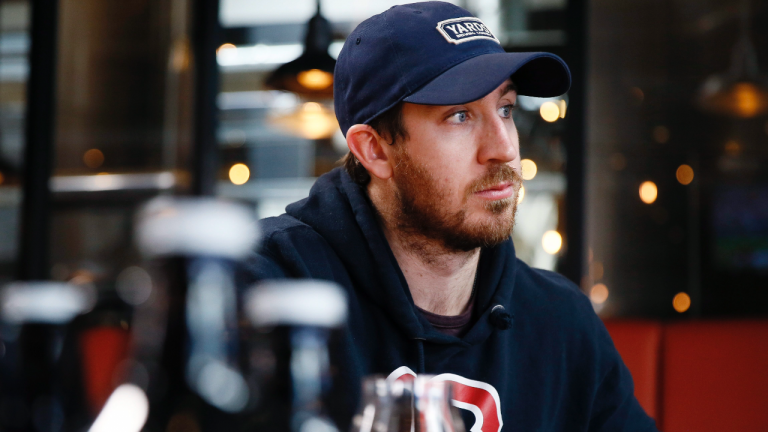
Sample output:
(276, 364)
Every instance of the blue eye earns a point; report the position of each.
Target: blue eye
(506, 111)
(459, 117)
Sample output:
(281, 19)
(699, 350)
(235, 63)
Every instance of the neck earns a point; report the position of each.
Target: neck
(440, 279)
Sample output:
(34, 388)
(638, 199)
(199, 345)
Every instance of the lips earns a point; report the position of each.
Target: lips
(498, 191)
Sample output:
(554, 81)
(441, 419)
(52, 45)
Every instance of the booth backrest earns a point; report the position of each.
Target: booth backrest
(715, 376)
(102, 350)
(639, 343)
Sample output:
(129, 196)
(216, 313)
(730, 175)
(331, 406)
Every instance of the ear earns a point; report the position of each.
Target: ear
(370, 149)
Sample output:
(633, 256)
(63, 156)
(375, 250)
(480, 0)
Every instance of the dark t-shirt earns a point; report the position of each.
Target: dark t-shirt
(455, 325)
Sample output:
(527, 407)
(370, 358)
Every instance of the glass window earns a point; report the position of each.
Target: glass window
(677, 144)
(123, 126)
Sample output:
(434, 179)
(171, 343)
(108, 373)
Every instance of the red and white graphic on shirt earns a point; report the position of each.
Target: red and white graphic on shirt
(480, 398)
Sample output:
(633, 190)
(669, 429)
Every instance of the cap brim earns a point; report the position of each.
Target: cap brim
(534, 74)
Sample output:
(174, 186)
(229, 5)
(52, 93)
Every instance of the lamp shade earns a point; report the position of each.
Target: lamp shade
(312, 73)
(742, 91)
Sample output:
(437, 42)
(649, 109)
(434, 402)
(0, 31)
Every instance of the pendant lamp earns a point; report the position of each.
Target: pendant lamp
(742, 91)
(311, 74)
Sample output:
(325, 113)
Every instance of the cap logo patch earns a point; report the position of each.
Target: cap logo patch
(460, 30)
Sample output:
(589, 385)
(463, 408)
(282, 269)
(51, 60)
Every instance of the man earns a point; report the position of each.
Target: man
(417, 226)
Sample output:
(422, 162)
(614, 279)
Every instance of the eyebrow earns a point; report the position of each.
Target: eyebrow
(509, 88)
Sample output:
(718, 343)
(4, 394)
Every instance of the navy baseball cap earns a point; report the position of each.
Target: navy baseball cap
(432, 53)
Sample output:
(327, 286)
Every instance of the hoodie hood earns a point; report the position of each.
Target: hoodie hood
(340, 211)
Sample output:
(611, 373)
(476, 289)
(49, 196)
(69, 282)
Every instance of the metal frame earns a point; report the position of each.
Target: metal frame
(206, 35)
(38, 154)
(574, 263)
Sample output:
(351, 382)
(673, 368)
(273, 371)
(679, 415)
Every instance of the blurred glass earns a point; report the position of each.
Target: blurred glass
(14, 73)
(423, 404)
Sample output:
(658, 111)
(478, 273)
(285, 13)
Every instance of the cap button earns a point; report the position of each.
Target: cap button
(357, 41)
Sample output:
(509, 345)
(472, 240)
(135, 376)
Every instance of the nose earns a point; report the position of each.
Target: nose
(498, 141)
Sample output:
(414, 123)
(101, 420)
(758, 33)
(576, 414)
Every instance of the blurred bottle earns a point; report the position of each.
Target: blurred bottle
(34, 325)
(422, 404)
(184, 367)
(289, 353)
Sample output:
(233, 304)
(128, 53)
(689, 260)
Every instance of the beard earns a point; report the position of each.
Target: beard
(420, 212)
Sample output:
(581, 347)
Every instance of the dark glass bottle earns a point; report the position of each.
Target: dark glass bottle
(185, 345)
(35, 318)
(294, 322)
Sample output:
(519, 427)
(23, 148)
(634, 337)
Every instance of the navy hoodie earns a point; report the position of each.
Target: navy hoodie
(552, 368)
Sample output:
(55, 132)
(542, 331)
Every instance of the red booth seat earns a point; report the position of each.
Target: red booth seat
(639, 343)
(700, 375)
(716, 376)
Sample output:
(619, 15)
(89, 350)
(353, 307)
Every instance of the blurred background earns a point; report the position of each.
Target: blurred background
(644, 184)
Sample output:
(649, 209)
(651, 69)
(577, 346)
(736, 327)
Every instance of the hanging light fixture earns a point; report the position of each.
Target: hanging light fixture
(742, 91)
(312, 73)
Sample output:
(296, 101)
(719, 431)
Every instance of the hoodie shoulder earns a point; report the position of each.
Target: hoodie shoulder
(546, 293)
(291, 248)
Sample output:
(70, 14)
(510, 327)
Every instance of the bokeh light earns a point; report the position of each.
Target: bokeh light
(648, 192)
(126, 410)
(549, 111)
(681, 302)
(684, 174)
(552, 241)
(596, 270)
(520, 194)
(315, 79)
(225, 46)
(661, 134)
(311, 120)
(2, 178)
(748, 98)
(617, 161)
(732, 148)
(239, 174)
(598, 294)
(529, 169)
(93, 158)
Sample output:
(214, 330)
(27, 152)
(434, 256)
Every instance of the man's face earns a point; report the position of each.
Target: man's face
(457, 174)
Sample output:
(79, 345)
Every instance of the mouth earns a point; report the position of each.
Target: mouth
(498, 191)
